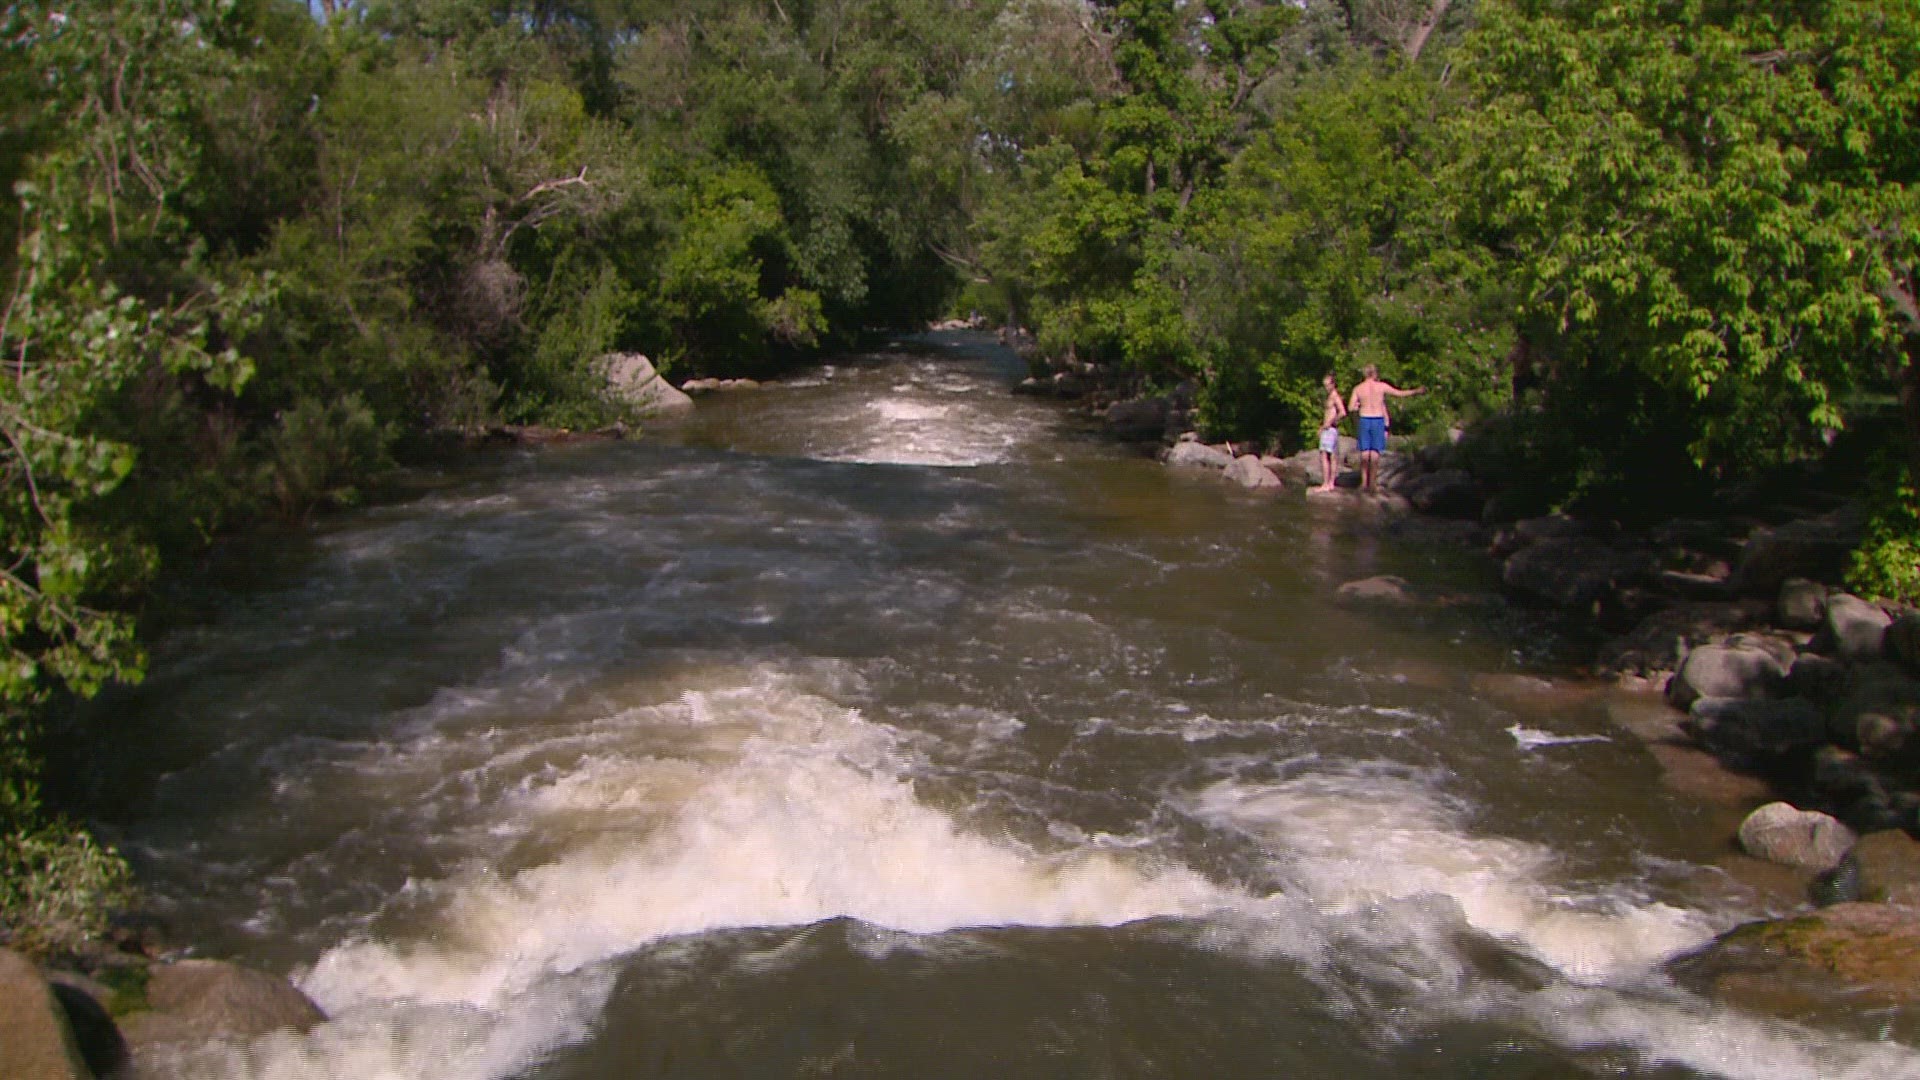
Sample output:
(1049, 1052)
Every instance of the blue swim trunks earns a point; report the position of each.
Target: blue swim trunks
(1373, 434)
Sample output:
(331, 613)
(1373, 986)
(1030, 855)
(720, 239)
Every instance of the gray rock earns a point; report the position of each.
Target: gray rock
(198, 1000)
(1449, 492)
(1803, 604)
(1386, 588)
(1247, 471)
(1853, 628)
(1196, 455)
(1815, 548)
(1572, 571)
(1774, 645)
(35, 1041)
(1755, 731)
(1725, 672)
(1782, 833)
(632, 382)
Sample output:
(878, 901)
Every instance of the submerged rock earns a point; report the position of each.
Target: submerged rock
(1387, 588)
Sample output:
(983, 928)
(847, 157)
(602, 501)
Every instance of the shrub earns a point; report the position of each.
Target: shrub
(1887, 563)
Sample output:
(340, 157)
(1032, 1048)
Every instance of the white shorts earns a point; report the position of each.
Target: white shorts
(1329, 440)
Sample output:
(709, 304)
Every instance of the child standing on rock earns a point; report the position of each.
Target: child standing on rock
(1330, 432)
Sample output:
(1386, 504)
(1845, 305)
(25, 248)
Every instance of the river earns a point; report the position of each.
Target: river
(883, 723)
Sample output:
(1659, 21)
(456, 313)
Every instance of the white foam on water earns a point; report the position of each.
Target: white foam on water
(780, 808)
(1711, 1039)
(1532, 738)
(1385, 873)
(1355, 840)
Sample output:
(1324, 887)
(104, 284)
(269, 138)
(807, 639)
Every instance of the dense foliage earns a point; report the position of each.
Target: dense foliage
(254, 246)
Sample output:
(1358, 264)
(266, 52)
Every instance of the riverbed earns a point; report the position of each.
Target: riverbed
(884, 723)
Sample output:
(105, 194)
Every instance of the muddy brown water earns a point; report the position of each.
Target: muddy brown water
(883, 723)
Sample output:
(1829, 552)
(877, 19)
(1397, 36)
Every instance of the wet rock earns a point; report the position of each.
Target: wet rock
(1889, 867)
(1755, 731)
(35, 1041)
(1196, 455)
(632, 381)
(1386, 588)
(1874, 947)
(1853, 629)
(1840, 885)
(1247, 471)
(1570, 572)
(1802, 604)
(197, 1000)
(697, 387)
(1814, 548)
(1724, 671)
(1783, 833)
(1449, 492)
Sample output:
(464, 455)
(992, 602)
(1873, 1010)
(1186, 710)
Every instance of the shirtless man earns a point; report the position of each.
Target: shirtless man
(1370, 401)
(1330, 432)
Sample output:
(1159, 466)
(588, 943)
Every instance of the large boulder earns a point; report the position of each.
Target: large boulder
(1783, 833)
(632, 382)
(1724, 671)
(1248, 472)
(1196, 455)
(198, 1000)
(1789, 967)
(1853, 628)
(1570, 571)
(1814, 548)
(1755, 731)
(1802, 604)
(1449, 492)
(35, 1041)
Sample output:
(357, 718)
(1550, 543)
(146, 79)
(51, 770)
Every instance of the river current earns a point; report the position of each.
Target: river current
(881, 723)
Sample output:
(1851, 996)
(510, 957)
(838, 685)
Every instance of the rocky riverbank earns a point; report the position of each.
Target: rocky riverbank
(1805, 698)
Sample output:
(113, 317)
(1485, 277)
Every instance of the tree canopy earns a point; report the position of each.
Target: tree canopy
(255, 247)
